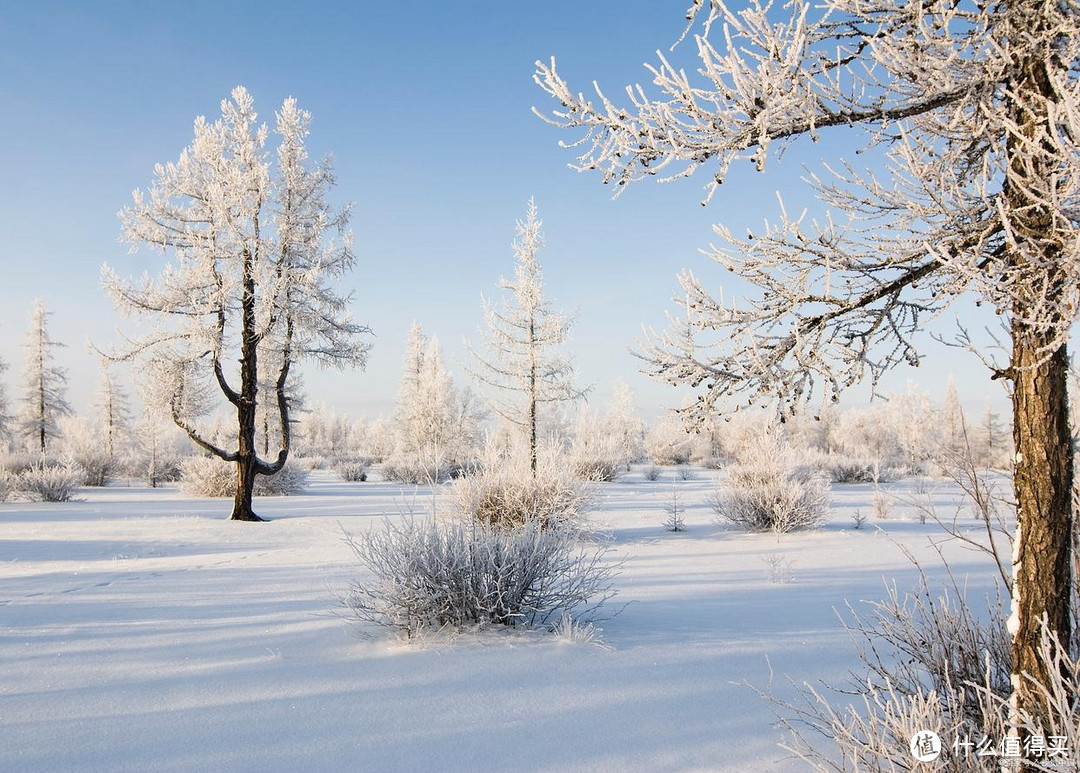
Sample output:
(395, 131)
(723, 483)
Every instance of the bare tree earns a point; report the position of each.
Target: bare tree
(976, 108)
(525, 369)
(44, 397)
(253, 265)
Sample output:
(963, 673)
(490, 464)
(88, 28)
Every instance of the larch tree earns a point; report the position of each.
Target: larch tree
(406, 405)
(255, 250)
(953, 424)
(624, 424)
(44, 398)
(5, 408)
(436, 424)
(524, 369)
(112, 414)
(975, 106)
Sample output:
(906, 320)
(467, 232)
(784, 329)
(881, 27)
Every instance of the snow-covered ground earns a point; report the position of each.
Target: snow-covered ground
(141, 631)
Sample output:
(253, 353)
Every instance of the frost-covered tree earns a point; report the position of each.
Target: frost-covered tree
(975, 107)
(992, 441)
(953, 427)
(406, 405)
(436, 424)
(254, 259)
(524, 369)
(44, 398)
(5, 410)
(112, 414)
(626, 427)
(323, 432)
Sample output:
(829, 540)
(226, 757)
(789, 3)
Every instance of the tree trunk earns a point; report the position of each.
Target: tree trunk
(247, 462)
(533, 386)
(1042, 579)
(245, 484)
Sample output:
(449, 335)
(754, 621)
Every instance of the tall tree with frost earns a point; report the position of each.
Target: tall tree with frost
(435, 422)
(112, 413)
(5, 415)
(976, 106)
(44, 398)
(253, 262)
(407, 404)
(953, 424)
(626, 427)
(524, 369)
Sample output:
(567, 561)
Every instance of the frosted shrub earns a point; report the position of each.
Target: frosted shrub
(598, 452)
(652, 472)
(842, 468)
(156, 468)
(353, 470)
(930, 663)
(767, 491)
(49, 482)
(286, 482)
(506, 494)
(18, 462)
(668, 443)
(96, 467)
(598, 470)
(204, 476)
(424, 575)
(85, 451)
(417, 472)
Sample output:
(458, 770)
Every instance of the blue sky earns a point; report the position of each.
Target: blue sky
(426, 108)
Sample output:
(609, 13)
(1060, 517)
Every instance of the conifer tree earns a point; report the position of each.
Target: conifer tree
(524, 369)
(44, 398)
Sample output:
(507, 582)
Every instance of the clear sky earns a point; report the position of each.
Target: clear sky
(426, 107)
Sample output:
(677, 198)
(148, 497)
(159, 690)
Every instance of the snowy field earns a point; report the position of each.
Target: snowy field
(141, 631)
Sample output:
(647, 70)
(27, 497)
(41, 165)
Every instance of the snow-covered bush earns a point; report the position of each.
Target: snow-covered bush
(843, 468)
(598, 453)
(156, 466)
(97, 469)
(652, 472)
(84, 448)
(418, 472)
(204, 476)
(353, 470)
(49, 482)
(426, 575)
(597, 470)
(668, 443)
(507, 494)
(930, 663)
(16, 463)
(768, 490)
(286, 482)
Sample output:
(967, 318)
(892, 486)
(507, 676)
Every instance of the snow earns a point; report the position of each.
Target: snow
(140, 631)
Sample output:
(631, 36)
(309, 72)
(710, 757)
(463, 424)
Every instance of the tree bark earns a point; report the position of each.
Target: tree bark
(1043, 473)
(247, 458)
(1042, 577)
